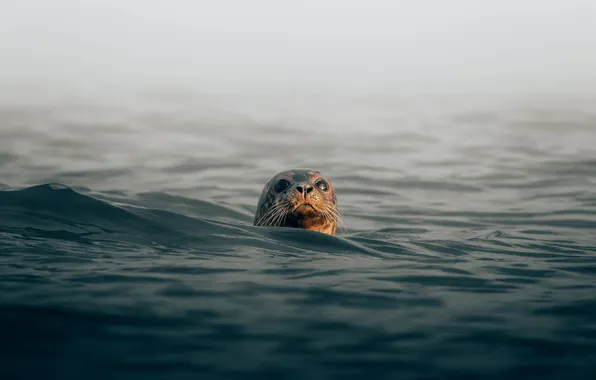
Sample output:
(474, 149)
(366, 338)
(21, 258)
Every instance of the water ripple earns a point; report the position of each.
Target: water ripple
(127, 247)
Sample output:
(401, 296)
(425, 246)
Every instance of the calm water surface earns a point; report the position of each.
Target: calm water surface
(127, 248)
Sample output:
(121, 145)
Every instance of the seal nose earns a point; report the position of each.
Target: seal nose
(304, 189)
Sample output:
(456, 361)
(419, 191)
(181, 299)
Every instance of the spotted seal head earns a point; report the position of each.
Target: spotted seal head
(298, 198)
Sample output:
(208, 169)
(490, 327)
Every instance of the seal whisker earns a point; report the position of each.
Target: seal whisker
(270, 221)
(264, 217)
(276, 220)
(338, 217)
(328, 216)
(275, 213)
(287, 210)
(269, 215)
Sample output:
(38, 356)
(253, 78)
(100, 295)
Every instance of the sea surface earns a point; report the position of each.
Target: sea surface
(127, 249)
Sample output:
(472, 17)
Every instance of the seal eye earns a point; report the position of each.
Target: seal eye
(321, 184)
(281, 185)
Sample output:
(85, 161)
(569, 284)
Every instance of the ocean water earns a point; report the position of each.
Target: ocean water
(127, 249)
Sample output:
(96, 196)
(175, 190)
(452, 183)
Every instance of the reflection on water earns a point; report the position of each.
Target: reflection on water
(469, 250)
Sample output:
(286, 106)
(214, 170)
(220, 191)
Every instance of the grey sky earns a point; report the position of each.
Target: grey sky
(390, 45)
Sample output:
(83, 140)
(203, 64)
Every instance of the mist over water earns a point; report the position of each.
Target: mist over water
(136, 136)
(315, 46)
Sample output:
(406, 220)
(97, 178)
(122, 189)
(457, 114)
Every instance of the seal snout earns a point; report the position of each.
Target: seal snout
(304, 209)
(302, 200)
(304, 189)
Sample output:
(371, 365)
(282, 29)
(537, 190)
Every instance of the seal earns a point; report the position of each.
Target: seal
(299, 198)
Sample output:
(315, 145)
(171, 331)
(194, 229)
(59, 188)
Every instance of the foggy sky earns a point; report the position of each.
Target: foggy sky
(443, 45)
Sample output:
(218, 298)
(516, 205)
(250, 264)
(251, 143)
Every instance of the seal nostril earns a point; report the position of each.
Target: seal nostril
(304, 189)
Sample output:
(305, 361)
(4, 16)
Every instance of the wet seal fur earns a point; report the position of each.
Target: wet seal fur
(299, 198)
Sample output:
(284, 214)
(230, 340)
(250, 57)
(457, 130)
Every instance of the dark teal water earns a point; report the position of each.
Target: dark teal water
(127, 250)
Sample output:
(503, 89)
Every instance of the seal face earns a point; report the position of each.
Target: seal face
(298, 198)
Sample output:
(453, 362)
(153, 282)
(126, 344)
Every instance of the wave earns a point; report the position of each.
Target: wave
(56, 211)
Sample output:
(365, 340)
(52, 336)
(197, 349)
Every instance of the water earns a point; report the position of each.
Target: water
(127, 250)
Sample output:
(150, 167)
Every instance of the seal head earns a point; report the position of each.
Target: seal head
(298, 198)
